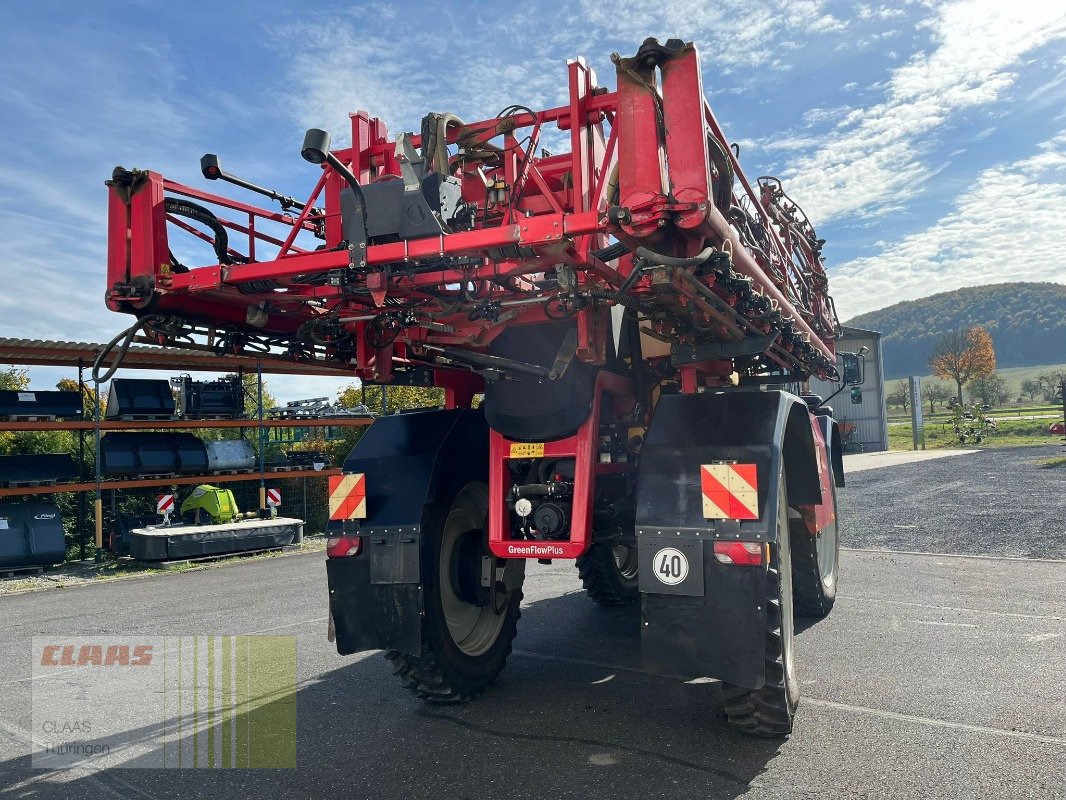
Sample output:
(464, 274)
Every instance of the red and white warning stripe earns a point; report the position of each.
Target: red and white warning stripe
(730, 491)
(347, 496)
(274, 497)
(165, 504)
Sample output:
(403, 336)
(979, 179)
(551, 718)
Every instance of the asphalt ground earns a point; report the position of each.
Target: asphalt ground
(936, 676)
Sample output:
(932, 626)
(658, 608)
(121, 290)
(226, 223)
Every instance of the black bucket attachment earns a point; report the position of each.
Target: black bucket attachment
(152, 454)
(31, 535)
(223, 398)
(37, 468)
(60, 405)
(140, 398)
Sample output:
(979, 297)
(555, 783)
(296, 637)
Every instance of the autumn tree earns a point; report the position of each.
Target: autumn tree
(14, 379)
(961, 356)
(934, 392)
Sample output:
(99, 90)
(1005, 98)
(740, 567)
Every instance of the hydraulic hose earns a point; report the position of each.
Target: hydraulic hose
(611, 252)
(126, 338)
(440, 156)
(195, 211)
(673, 261)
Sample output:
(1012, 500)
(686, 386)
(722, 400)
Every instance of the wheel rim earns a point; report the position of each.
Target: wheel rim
(473, 628)
(826, 547)
(625, 558)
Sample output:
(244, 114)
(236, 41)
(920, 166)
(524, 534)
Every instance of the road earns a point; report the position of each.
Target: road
(936, 676)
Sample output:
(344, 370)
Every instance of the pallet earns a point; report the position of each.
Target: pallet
(30, 418)
(23, 484)
(181, 562)
(214, 417)
(284, 468)
(231, 472)
(11, 572)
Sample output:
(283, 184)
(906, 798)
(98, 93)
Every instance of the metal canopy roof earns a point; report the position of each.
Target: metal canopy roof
(45, 353)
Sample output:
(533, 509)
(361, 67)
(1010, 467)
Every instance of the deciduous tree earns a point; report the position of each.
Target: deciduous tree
(1031, 388)
(989, 390)
(899, 395)
(397, 397)
(961, 356)
(1051, 384)
(15, 379)
(934, 392)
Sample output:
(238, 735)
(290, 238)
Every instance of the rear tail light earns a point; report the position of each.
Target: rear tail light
(741, 553)
(343, 546)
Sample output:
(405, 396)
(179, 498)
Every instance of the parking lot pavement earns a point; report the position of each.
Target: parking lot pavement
(1000, 501)
(860, 462)
(935, 676)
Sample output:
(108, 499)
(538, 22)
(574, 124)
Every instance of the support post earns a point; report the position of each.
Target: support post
(262, 439)
(83, 502)
(1063, 389)
(98, 505)
(917, 414)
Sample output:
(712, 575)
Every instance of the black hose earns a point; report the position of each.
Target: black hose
(197, 212)
(126, 337)
(610, 252)
(673, 261)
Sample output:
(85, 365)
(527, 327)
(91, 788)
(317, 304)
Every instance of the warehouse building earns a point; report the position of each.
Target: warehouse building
(869, 418)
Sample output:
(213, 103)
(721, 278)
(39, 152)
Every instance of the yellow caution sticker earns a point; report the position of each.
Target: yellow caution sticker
(527, 449)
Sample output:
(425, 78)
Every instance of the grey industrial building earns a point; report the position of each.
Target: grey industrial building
(869, 417)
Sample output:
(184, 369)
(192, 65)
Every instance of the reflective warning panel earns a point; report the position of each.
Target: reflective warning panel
(730, 491)
(347, 496)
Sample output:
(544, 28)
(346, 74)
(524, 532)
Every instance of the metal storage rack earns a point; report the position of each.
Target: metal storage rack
(78, 355)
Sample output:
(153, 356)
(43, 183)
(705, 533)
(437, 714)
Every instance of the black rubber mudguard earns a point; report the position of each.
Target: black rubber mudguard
(712, 623)
(413, 463)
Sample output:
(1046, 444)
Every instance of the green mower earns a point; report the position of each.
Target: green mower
(211, 505)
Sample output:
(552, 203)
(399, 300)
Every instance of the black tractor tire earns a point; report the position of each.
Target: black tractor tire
(447, 670)
(609, 575)
(815, 566)
(768, 711)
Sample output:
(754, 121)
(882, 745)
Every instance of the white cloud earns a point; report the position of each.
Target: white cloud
(735, 32)
(1006, 227)
(474, 67)
(341, 69)
(873, 155)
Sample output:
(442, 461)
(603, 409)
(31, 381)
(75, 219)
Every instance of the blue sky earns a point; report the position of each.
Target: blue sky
(926, 139)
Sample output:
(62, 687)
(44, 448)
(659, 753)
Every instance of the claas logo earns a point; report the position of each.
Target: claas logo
(97, 655)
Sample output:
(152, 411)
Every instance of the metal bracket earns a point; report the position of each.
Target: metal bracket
(716, 351)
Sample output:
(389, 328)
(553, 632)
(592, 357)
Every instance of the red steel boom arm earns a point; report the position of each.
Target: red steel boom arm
(450, 235)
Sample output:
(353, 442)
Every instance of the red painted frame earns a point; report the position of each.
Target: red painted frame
(562, 219)
(583, 447)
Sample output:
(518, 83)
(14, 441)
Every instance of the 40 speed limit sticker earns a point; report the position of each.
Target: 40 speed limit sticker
(670, 566)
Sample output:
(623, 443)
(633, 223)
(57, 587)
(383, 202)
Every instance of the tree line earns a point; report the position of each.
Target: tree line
(967, 359)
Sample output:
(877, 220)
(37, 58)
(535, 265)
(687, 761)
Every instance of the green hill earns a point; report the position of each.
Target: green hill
(1027, 322)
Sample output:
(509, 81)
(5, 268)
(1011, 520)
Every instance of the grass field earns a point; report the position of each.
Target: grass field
(1013, 375)
(940, 435)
